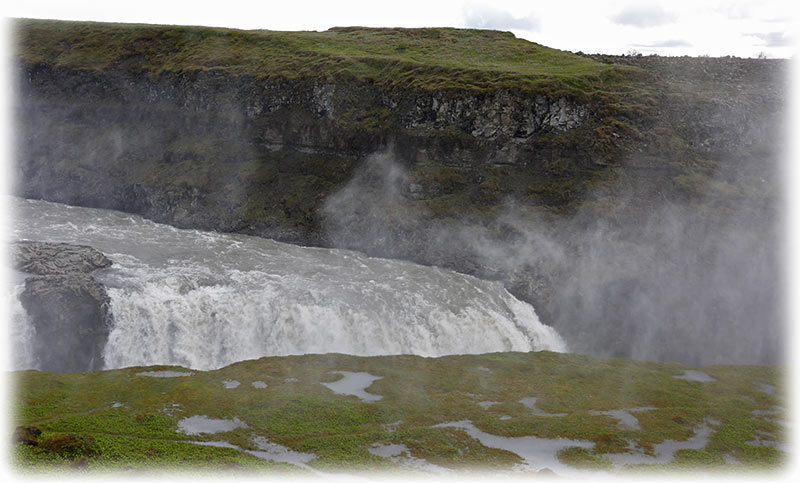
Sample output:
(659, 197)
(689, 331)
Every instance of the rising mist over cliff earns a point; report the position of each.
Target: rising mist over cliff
(636, 202)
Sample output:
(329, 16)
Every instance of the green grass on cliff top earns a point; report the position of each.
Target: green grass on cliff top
(122, 420)
(429, 58)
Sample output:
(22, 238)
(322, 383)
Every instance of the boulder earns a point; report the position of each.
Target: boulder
(26, 435)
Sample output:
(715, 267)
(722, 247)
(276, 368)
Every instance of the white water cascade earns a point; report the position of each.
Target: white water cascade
(205, 300)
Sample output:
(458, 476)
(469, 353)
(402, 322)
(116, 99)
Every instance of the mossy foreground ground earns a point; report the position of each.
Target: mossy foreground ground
(124, 420)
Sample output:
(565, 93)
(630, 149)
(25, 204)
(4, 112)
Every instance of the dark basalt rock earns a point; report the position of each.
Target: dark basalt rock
(70, 310)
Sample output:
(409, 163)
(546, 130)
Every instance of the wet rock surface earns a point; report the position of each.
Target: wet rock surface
(69, 309)
(44, 258)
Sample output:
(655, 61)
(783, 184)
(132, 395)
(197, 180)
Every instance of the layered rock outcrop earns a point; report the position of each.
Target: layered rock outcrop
(69, 309)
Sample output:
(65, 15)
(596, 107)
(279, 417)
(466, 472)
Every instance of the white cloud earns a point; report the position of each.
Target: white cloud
(774, 39)
(735, 10)
(486, 17)
(644, 16)
(665, 43)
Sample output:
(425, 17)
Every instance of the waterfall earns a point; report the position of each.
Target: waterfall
(205, 299)
(21, 332)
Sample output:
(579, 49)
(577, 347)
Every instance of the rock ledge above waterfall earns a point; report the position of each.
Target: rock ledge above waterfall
(45, 258)
(69, 309)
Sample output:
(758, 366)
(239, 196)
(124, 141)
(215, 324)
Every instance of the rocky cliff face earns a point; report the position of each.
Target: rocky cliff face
(612, 211)
(261, 157)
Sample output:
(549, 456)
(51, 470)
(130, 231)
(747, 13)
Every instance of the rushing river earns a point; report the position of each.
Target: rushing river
(205, 299)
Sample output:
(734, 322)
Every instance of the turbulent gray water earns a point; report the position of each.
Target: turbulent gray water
(205, 299)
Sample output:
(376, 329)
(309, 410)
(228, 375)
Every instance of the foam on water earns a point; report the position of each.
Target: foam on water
(205, 300)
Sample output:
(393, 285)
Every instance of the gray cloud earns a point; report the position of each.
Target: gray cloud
(774, 39)
(644, 16)
(746, 10)
(483, 17)
(665, 43)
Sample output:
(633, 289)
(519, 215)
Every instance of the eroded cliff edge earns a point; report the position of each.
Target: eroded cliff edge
(632, 200)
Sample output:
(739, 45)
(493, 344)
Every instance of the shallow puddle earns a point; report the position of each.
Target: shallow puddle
(274, 452)
(625, 419)
(267, 451)
(204, 424)
(392, 427)
(165, 373)
(399, 453)
(665, 451)
(766, 413)
(766, 388)
(530, 402)
(217, 444)
(537, 453)
(354, 384)
(764, 438)
(696, 376)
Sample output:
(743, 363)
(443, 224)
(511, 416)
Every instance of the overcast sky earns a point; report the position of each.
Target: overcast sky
(676, 27)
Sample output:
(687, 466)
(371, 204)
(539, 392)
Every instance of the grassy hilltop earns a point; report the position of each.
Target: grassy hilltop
(126, 419)
(430, 58)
